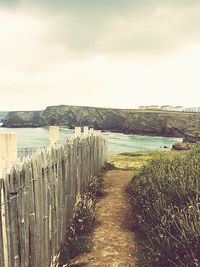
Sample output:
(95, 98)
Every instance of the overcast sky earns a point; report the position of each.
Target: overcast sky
(106, 53)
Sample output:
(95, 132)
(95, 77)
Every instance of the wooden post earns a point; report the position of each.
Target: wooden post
(91, 131)
(54, 135)
(85, 130)
(8, 151)
(4, 226)
(97, 132)
(77, 131)
(8, 154)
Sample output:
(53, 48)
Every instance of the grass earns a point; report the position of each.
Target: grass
(166, 202)
(129, 161)
(133, 161)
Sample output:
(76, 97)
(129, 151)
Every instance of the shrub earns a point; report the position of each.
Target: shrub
(166, 203)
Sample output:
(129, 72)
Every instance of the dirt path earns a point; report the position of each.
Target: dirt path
(113, 239)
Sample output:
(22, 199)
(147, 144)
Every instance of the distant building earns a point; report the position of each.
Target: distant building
(171, 108)
(178, 108)
(149, 107)
(192, 109)
(154, 107)
(167, 107)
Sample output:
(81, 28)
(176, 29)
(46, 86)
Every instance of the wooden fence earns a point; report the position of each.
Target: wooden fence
(37, 198)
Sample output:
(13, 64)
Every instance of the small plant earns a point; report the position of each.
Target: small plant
(95, 186)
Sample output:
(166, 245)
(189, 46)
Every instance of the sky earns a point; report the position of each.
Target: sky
(104, 53)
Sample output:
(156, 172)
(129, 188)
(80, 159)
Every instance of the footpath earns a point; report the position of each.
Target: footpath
(113, 239)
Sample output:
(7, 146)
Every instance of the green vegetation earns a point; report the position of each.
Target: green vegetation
(83, 222)
(166, 203)
(133, 161)
(129, 161)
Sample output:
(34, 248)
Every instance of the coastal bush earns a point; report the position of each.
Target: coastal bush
(166, 204)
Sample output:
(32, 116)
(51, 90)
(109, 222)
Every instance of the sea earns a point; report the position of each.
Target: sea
(117, 142)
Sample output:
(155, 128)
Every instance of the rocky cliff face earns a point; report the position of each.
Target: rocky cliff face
(22, 119)
(120, 120)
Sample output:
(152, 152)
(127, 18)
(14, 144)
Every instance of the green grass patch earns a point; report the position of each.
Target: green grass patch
(135, 160)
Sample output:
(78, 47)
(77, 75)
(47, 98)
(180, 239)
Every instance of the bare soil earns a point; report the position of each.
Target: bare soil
(113, 240)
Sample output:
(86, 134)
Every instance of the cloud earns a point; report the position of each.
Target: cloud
(82, 52)
(115, 27)
(25, 41)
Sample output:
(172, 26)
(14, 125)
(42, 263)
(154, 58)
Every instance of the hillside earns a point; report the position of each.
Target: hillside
(120, 120)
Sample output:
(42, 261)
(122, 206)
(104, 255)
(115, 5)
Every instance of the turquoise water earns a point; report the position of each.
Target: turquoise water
(117, 142)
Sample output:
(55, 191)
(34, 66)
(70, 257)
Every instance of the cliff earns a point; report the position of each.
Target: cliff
(22, 119)
(2, 115)
(120, 120)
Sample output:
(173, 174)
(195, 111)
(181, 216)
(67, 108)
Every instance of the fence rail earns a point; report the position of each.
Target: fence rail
(38, 195)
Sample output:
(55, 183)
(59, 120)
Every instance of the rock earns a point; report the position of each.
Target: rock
(192, 136)
(182, 146)
(191, 139)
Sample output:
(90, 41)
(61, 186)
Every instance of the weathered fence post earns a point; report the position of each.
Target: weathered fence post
(96, 132)
(4, 236)
(77, 131)
(54, 134)
(85, 130)
(91, 131)
(8, 151)
(8, 154)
